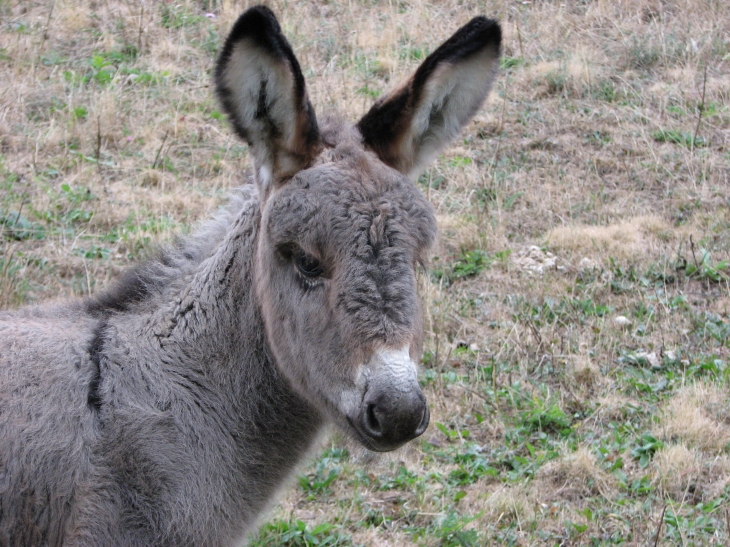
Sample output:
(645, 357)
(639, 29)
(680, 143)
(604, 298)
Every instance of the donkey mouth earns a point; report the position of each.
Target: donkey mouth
(387, 409)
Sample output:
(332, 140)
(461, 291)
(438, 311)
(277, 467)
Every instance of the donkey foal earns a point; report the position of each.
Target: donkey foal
(169, 409)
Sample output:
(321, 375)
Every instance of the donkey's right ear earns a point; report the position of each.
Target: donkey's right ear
(407, 127)
(261, 88)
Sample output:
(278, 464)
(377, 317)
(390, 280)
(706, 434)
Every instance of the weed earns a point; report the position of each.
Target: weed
(449, 530)
(138, 76)
(605, 91)
(507, 63)
(645, 448)
(177, 17)
(403, 480)
(717, 328)
(704, 269)
(103, 69)
(367, 91)
(641, 54)
(467, 264)
(14, 225)
(412, 53)
(298, 534)
(13, 284)
(545, 416)
(472, 466)
(429, 179)
(327, 471)
(93, 252)
(700, 522)
(452, 434)
(80, 113)
(678, 137)
(557, 82)
(600, 138)
(510, 200)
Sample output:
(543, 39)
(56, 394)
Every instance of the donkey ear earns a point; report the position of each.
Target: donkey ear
(261, 88)
(408, 126)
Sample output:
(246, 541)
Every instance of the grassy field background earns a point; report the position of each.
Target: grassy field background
(578, 303)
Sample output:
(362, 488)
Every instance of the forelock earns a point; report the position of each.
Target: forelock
(349, 190)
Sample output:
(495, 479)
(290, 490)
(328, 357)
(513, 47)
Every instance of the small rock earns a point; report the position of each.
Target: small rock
(652, 358)
(586, 264)
(622, 321)
(535, 253)
(533, 260)
(671, 355)
(474, 348)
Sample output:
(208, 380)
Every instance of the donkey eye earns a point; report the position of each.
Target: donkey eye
(308, 265)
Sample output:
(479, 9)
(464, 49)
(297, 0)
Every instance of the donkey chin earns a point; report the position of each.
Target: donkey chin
(387, 408)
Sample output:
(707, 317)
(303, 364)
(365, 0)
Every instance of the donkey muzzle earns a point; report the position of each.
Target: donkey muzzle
(393, 410)
(390, 420)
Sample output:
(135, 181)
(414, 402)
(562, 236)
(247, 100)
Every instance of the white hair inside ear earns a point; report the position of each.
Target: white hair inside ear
(263, 178)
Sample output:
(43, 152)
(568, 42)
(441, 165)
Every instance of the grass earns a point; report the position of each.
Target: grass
(592, 186)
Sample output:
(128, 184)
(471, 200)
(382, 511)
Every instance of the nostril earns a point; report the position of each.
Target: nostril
(425, 418)
(372, 423)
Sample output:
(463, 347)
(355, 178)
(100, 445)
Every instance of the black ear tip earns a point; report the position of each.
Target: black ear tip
(486, 31)
(256, 22)
(259, 25)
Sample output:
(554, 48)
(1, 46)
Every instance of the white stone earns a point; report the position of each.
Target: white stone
(651, 357)
(586, 264)
(622, 321)
(533, 260)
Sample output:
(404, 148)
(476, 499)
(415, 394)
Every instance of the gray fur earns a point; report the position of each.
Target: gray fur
(171, 408)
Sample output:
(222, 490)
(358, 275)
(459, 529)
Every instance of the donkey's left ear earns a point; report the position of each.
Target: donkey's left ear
(261, 88)
(407, 127)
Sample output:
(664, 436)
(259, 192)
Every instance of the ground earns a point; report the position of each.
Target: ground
(578, 302)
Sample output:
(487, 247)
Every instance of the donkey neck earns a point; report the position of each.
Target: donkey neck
(208, 314)
(194, 354)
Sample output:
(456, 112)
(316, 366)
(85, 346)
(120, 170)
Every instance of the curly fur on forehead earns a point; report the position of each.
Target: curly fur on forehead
(348, 194)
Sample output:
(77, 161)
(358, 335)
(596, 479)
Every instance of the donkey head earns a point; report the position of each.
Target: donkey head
(343, 225)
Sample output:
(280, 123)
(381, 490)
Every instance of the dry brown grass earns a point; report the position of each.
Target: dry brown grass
(635, 239)
(675, 467)
(506, 504)
(699, 415)
(574, 477)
